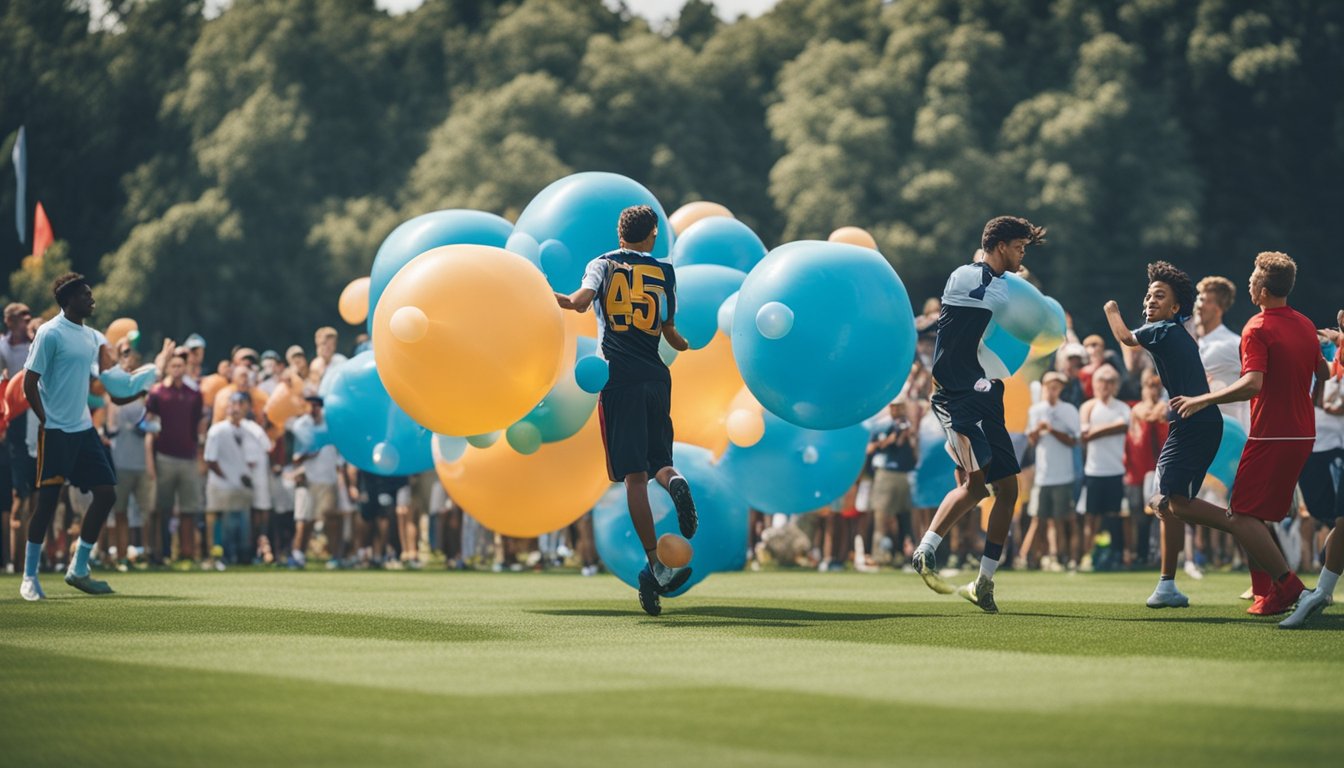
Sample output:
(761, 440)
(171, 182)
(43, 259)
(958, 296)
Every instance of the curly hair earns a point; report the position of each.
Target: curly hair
(637, 223)
(1278, 272)
(1002, 229)
(65, 286)
(1165, 272)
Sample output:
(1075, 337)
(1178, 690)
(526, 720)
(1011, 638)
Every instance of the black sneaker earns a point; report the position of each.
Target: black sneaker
(648, 593)
(680, 491)
(669, 580)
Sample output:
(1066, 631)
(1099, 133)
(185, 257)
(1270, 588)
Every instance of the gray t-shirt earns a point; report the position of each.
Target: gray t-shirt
(128, 444)
(13, 356)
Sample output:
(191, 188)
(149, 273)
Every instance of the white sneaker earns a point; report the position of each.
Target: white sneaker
(1193, 570)
(1172, 599)
(31, 590)
(1312, 602)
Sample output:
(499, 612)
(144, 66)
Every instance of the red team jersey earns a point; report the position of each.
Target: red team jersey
(1281, 344)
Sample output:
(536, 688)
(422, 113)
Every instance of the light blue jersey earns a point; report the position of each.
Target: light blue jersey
(65, 354)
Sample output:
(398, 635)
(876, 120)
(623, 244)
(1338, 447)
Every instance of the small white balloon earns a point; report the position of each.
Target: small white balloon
(774, 320)
(409, 324)
(810, 455)
(385, 457)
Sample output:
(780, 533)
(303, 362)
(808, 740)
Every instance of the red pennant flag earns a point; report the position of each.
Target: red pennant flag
(42, 236)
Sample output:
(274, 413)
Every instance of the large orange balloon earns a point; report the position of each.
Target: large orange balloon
(1016, 403)
(15, 401)
(118, 329)
(853, 236)
(477, 342)
(688, 214)
(354, 301)
(704, 383)
(528, 495)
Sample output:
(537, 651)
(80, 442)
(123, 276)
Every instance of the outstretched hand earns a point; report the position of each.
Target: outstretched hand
(1187, 406)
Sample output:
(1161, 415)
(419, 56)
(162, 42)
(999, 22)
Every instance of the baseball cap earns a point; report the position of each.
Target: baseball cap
(243, 353)
(270, 354)
(1054, 376)
(314, 399)
(1074, 350)
(293, 350)
(194, 341)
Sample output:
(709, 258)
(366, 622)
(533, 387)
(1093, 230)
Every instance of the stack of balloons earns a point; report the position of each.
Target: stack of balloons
(476, 371)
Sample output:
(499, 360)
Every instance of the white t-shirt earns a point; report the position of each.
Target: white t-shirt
(1330, 429)
(1054, 460)
(64, 353)
(1220, 352)
(320, 469)
(234, 448)
(1106, 455)
(13, 356)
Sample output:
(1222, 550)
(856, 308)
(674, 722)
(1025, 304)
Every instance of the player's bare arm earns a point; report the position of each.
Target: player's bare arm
(1245, 388)
(578, 301)
(674, 338)
(1119, 330)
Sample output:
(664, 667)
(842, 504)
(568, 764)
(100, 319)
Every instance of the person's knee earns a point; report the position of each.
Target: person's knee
(1006, 488)
(637, 478)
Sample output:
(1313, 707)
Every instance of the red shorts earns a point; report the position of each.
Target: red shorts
(1266, 477)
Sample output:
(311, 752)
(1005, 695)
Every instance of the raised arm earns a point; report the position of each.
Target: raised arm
(578, 301)
(1119, 330)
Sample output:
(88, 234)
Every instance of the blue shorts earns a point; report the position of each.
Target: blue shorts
(636, 428)
(976, 435)
(78, 458)
(1186, 456)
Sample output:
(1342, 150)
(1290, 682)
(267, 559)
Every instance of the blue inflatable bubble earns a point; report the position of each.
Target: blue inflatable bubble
(775, 320)
(567, 406)
(726, 311)
(701, 291)
(120, 382)
(792, 469)
(486, 440)
(523, 437)
(591, 373)
(1002, 354)
(935, 475)
(720, 543)
(431, 230)
(1228, 457)
(450, 448)
(1027, 313)
(718, 240)
(368, 428)
(851, 343)
(573, 221)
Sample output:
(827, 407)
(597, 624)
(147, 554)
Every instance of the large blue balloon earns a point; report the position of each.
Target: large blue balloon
(701, 290)
(1228, 457)
(1002, 354)
(573, 221)
(792, 469)
(720, 543)
(851, 341)
(368, 428)
(566, 408)
(431, 230)
(1028, 313)
(935, 475)
(718, 240)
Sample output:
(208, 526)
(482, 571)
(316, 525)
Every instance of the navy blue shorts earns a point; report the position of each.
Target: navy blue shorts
(1186, 456)
(636, 428)
(976, 436)
(1324, 501)
(78, 458)
(1105, 494)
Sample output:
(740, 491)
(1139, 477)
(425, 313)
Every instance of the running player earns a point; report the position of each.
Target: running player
(64, 352)
(636, 300)
(1279, 357)
(1192, 443)
(970, 406)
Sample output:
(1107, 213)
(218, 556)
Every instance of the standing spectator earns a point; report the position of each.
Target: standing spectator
(243, 382)
(254, 530)
(327, 357)
(17, 339)
(1147, 434)
(1054, 429)
(231, 458)
(895, 452)
(1071, 365)
(1324, 501)
(22, 469)
(271, 372)
(1104, 423)
(174, 453)
(418, 497)
(1219, 346)
(1097, 356)
(195, 347)
(126, 428)
(378, 503)
(318, 468)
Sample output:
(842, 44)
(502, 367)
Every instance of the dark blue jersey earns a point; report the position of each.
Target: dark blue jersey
(1177, 357)
(636, 294)
(971, 297)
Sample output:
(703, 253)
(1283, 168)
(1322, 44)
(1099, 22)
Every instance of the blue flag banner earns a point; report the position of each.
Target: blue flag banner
(20, 156)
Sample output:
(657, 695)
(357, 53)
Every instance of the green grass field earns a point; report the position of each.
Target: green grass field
(776, 669)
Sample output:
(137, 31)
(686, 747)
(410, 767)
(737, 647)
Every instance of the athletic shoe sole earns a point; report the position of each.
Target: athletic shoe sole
(680, 491)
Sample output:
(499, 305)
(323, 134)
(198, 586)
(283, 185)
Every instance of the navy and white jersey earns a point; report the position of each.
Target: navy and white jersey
(971, 297)
(636, 294)
(1178, 363)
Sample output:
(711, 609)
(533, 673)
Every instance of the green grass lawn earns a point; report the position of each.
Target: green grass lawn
(773, 668)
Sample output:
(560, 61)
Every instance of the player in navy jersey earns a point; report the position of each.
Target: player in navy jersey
(970, 406)
(635, 296)
(1192, 442)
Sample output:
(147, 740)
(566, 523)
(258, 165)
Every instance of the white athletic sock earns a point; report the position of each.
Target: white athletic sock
(988, 567)
(1326, 584)
(930, 541)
